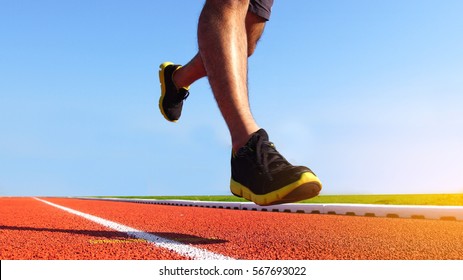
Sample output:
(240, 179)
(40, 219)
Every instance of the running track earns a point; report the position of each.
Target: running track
(35, 229)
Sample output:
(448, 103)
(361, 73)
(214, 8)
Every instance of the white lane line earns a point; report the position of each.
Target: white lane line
(179, 248)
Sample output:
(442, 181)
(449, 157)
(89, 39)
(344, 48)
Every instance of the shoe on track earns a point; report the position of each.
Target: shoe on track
(171, 100)
(262, 175)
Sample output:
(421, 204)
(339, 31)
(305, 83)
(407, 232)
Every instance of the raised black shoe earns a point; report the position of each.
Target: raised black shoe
(259, 173)
(171, 100)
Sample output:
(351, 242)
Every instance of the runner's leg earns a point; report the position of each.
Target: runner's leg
(224, 51)
(194, 70)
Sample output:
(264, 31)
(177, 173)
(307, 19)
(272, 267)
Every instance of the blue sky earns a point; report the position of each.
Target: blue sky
(369, 94)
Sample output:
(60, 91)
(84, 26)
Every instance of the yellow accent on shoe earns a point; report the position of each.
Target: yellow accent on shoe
(162, 77)
(283, 195)
(162, 67)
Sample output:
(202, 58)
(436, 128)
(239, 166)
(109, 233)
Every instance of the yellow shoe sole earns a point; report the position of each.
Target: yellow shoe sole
(306, 187)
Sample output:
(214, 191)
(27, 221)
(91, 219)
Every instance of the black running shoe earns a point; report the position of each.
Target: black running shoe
(171, 100)
(262, 175)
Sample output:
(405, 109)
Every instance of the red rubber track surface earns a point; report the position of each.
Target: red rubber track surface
(30, 229)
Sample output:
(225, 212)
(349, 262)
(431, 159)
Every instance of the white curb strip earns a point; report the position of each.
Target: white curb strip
(453, 213)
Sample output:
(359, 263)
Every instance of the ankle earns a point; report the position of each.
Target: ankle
(175, 79)
(240, 141)
(178, 79)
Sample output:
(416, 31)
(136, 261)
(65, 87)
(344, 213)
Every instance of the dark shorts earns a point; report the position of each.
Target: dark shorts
(262, 8)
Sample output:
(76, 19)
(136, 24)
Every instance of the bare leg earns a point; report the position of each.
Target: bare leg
(190, 72)
(194, 70)
(223, 48)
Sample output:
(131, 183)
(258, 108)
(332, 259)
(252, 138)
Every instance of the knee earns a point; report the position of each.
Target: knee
(254, 28)
(253, 37)
(251, 48)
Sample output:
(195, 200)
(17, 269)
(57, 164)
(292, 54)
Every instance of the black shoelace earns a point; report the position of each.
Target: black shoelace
(268, 158)
(182, 95)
